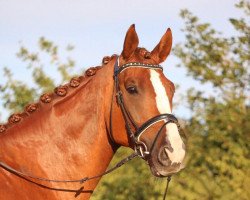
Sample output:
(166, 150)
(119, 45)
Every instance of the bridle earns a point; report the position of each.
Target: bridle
(135, 136)
(140, 147)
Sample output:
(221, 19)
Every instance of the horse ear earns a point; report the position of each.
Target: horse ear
(130, 43)
(162, 50)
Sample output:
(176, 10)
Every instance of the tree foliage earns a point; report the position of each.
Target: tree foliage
(219, 129)
(218, 163)
(17, 93)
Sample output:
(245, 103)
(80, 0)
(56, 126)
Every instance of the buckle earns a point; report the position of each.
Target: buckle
(119, 97)
(141, 150)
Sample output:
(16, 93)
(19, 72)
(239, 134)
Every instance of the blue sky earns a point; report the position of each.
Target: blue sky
(97, 28)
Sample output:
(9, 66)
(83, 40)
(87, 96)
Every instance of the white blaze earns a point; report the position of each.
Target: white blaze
(163, 106)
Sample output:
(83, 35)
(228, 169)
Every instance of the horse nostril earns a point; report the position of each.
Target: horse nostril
(165, 153)
(163, 157)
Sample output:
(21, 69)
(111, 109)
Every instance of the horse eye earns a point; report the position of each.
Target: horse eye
(132, 90)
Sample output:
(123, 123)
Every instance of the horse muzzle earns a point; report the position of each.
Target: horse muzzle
(162, 166)
(166, 153)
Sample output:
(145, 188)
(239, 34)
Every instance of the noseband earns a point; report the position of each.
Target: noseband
(135, 136)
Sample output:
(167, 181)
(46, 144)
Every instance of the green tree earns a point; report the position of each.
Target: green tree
(219, 130)
(132, 181)
(17, 93)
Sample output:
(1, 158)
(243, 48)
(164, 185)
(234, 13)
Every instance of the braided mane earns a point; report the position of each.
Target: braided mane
(47, 98)
(63, 90)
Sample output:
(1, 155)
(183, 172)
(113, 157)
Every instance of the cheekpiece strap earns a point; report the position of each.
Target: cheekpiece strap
(116, 66)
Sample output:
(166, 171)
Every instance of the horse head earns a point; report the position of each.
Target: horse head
(144, 105)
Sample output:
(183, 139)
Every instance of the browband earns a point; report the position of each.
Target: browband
(119, 69)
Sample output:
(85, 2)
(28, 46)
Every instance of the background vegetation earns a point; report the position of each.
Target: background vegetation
(218, 163)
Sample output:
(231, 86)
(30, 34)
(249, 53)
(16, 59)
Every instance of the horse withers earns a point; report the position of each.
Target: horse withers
(75, 130)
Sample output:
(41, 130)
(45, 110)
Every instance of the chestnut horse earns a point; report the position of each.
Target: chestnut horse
(75, 131)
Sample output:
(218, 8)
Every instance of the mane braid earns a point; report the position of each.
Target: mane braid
(59, 92)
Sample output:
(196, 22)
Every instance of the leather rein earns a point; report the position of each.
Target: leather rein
(140, 147)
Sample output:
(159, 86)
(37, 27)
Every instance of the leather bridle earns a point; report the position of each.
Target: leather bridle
(141, 149)
(135, 136)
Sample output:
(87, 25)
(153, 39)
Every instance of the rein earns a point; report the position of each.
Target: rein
(141, 149)
(81, 181)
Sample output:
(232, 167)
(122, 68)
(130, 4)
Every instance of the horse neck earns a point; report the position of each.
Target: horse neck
(71, 132)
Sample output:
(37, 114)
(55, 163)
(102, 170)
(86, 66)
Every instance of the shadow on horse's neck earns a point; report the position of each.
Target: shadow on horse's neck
(66, 138)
